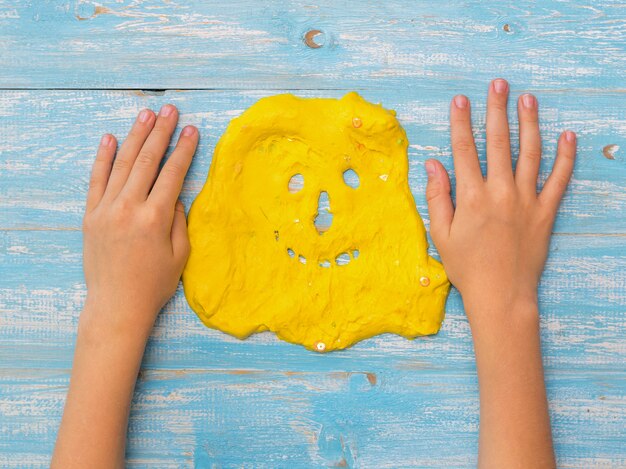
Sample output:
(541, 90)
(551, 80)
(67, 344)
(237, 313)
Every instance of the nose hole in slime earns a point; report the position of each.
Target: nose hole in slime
(323, 218)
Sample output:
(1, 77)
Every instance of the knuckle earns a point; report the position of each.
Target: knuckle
(471, 197)
(560, 181)
(462, 145)
(95, 182)
(432, 192)
(161, 131)
(173, 169)
(566, 154)
(153, 217)
(532, 154)
(180, 207)
(102, 159)
(136, 132)
(121, 164)
(460, 119)
(186, 146)
(498, 104)
(146, 157)
(530, 117)
(503, 193)
(122, 210)
(499, 141)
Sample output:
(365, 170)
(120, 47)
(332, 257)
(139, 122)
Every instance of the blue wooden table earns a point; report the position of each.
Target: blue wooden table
(73, 70)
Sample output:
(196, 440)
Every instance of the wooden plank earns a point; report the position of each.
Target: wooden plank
(401, 419)
(553, 44)
(583, 293)
(48, 139)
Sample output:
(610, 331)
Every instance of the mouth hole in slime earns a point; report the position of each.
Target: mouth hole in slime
(323, 218)
(351, 178)
(343, 258)
(296, 183)
(290, 252)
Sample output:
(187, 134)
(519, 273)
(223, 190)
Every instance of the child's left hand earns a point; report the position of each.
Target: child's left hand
(135, 248)
(135, 232)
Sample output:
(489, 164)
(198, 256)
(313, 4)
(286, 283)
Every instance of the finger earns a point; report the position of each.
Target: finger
(440, 206)
(499, 166)
(557, 182)
(466, 165)
(170, 180)
(101, 170)
(180, 238)
(146, 166)
(529, 159)
(128, 152)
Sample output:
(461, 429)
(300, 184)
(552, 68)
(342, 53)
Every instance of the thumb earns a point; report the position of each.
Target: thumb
(180, 239)
(440, 206)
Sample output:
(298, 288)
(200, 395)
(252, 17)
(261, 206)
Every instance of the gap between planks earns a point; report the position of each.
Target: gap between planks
(241, 89)
(75, 228)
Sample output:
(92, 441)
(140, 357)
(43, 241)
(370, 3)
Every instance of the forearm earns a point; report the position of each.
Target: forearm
(94, 424)
(514, 419)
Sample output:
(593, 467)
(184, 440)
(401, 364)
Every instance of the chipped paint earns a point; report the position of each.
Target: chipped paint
(204, 398)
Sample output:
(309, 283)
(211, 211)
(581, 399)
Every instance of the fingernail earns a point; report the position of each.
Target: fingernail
(500, 85)
(431, 168)
(106, 140)
(460, 101)
(144, 116)
(166, 110)
(529, 101)
(570, 136)
(188, 131)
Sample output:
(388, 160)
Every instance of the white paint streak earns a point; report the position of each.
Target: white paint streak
(18, 249)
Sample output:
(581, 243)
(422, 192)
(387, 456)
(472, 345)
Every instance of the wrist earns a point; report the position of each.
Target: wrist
(115, 322)
(501, 316)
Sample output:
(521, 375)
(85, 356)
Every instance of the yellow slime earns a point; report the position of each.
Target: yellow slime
(260, 259)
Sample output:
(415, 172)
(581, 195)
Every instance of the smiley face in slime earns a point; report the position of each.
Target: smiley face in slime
(306, 227)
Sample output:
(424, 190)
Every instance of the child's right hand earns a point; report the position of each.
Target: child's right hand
(495, 243)
(493, 246)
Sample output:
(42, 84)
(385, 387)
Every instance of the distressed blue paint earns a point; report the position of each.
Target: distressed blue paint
(582, 291)
(51, 138)
(207, 400)
(569, 44)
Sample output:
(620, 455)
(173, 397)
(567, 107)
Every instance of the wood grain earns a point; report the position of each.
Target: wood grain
(268, 419)
(72, 70)
(583, 293)
(49, 141)
(553, 44)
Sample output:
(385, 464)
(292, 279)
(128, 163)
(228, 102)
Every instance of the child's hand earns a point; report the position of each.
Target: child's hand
(135, 248)
(493, 247)
(494, 244)
(135, 232)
